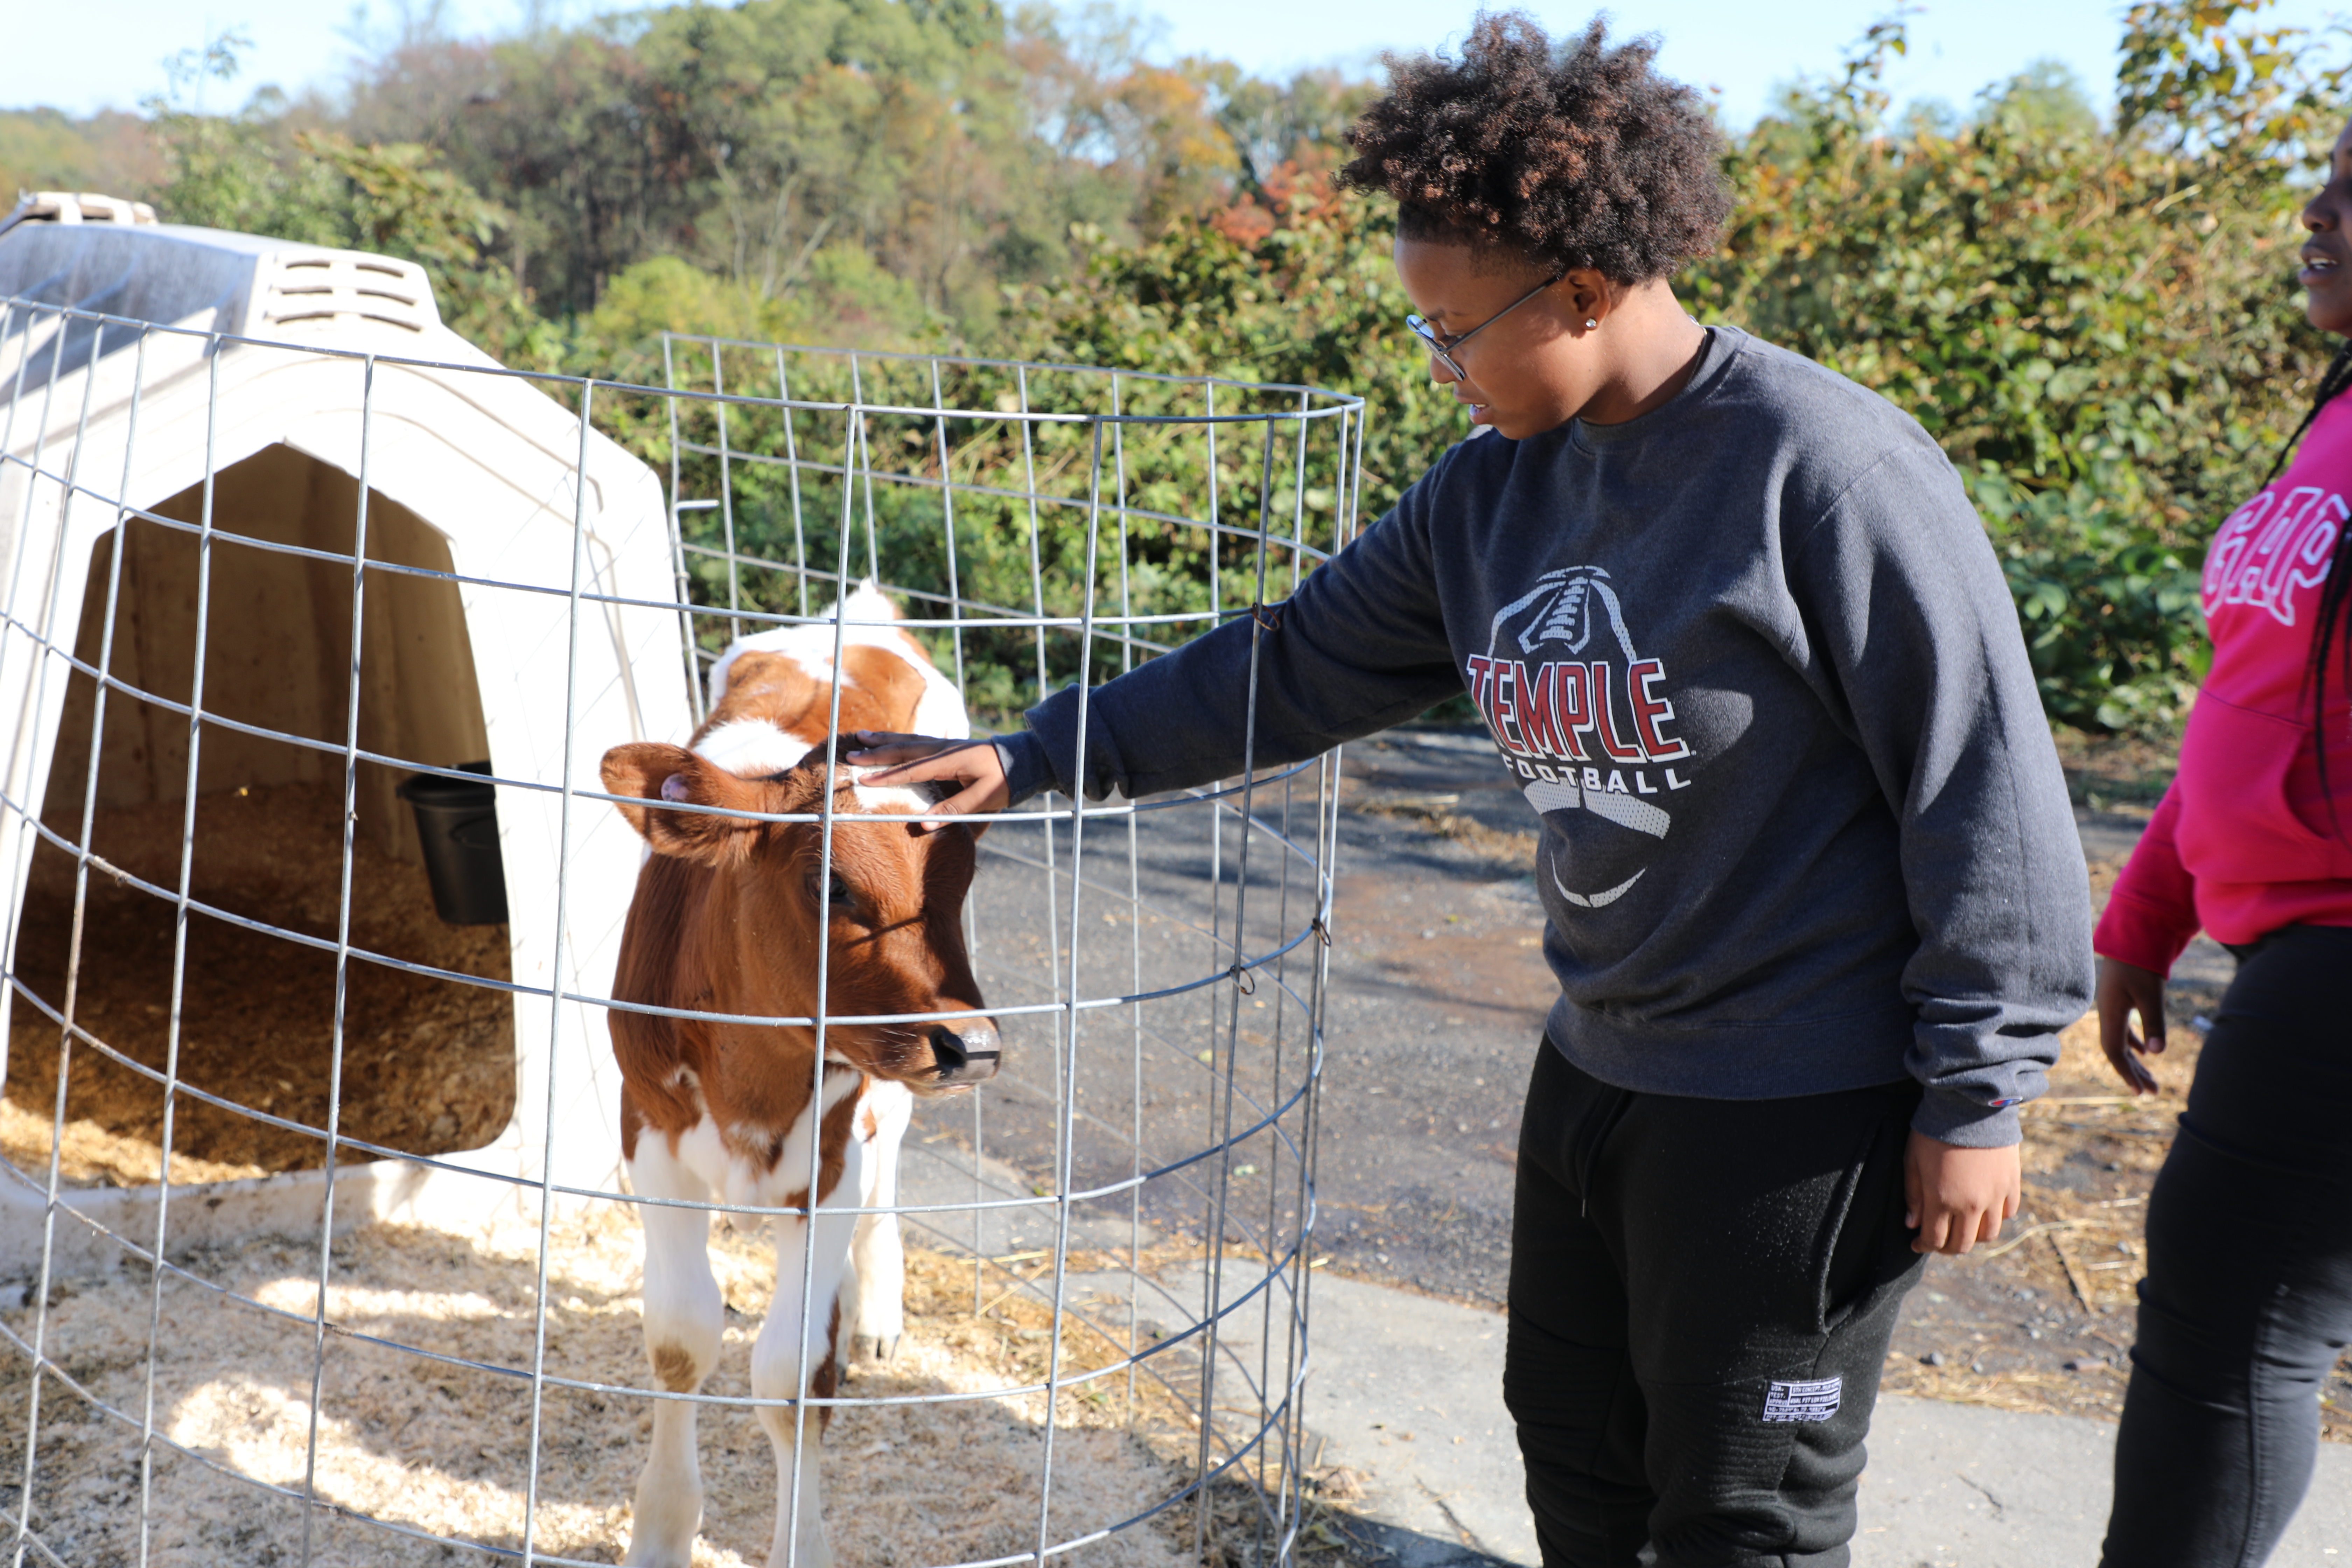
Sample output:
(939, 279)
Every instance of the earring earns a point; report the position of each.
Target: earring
(1589, 324)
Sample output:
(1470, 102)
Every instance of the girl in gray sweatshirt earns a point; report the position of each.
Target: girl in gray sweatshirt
(1814, 896)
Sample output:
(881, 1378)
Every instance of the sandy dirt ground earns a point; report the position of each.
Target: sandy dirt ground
(441, 1448)
(438, 1448)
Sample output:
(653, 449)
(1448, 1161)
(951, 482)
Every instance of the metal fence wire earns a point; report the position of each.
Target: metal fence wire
(315, 1243)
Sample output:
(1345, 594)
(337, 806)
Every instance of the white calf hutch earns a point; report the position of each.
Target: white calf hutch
(315, 1243)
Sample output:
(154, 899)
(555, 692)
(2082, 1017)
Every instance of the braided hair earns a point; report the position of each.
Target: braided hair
(2335, 593)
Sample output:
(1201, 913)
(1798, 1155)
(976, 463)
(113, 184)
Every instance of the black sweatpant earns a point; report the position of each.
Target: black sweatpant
(1702, 1292)
(2248, 1298)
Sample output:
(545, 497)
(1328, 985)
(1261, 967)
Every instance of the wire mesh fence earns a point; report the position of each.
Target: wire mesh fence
(312, 1205)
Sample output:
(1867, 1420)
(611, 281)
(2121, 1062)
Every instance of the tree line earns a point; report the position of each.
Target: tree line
(2098, 321)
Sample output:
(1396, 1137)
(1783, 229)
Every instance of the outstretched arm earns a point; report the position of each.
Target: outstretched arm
(1360, 646)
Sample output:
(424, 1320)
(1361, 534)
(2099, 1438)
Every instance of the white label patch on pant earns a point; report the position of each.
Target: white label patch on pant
(1802, 1401)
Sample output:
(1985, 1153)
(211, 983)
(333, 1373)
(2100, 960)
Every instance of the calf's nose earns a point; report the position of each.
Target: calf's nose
(967, 1056)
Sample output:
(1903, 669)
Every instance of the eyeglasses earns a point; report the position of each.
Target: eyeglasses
(1443, 348)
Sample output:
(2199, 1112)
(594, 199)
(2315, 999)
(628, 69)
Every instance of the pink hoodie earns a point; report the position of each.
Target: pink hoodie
(2243, 843)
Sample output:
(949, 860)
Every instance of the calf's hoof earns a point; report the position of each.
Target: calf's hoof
(874, 1347)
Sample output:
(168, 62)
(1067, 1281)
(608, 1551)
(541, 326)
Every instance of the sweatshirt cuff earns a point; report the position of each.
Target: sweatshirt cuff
(1027, 771)
(2140, 933)
(1966, 1121)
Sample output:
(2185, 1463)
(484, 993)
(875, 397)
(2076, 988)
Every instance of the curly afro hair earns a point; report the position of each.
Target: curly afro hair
(1580, 157)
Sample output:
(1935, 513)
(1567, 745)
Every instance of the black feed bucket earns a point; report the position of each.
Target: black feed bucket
(458, 821)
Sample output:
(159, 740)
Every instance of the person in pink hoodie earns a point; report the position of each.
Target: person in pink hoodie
(2248, 1298)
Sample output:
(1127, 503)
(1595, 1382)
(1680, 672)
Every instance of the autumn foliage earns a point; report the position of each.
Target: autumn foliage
(2098, 321)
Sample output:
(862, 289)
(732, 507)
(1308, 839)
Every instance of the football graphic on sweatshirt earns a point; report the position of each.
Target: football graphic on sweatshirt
(1582, 721)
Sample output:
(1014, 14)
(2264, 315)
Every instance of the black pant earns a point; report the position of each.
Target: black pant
(1702, 1292)
(2248, 1298)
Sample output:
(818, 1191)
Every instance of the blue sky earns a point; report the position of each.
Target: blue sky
(104, 53)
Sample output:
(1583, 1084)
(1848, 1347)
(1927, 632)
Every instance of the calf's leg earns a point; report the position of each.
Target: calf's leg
(873, 1300)
(800, 1332)
(684, 1317)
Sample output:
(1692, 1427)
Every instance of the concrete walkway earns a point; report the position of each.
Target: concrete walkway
(1407, 1391)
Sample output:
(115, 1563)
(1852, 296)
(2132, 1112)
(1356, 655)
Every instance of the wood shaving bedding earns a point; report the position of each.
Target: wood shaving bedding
(442, 1448)
(428, 1065)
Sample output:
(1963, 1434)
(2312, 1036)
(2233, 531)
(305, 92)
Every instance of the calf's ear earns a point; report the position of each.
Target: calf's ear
(675, 777)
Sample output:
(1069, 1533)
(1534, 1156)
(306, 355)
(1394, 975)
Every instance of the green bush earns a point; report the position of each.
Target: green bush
(787, 523)
(2110, 612)
(2100, 326)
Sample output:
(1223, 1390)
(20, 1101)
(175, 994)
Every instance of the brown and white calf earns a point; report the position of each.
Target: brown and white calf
(730, 917)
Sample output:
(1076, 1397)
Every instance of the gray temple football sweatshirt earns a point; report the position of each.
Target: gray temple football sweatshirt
(1751, 660)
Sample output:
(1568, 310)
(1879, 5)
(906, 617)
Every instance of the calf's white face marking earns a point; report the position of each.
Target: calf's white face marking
(752, 748)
